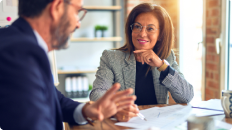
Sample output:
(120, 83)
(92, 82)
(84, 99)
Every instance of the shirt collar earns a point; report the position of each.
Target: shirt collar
(41, 42)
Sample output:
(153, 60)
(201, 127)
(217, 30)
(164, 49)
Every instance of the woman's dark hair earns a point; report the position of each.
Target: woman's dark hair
(166, 37)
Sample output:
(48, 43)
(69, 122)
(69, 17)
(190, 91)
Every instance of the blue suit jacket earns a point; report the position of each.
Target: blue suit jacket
(28, 98)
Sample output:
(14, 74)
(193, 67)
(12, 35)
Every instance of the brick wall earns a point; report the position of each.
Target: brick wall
(172, 8)
(213, 30)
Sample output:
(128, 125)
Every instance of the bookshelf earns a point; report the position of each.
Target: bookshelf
(82, 100)
(85, 39)
(76, 71)
(89, 48)
(102, 8)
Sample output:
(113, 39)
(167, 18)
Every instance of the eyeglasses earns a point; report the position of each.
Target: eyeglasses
(81, 12)
(137, 28)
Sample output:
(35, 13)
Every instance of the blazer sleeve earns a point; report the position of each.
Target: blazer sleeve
(180, 89)
(104, 77)
(67, 107)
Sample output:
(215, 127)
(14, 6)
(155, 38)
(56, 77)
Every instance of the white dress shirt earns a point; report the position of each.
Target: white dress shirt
(77, 114)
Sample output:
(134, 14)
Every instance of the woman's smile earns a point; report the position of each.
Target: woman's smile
(141, 41)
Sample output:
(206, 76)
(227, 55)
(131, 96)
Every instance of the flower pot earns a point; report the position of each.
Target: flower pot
(98, 33)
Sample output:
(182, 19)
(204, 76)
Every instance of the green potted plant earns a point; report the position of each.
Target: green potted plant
(98, 31)
(104, 31)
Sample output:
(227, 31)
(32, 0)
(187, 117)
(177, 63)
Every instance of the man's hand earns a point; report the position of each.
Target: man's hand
(126, 114)
(110, 103)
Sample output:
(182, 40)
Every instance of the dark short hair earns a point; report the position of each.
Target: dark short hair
(32, 8)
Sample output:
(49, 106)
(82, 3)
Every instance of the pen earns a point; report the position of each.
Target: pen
(140, 115)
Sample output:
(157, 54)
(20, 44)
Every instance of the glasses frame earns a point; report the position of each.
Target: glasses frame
(82, 9)
(142, 28)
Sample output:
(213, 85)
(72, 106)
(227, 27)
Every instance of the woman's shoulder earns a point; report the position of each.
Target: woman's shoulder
(114, 53)
(171, 58)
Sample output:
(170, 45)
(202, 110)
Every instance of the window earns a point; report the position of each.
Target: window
(226, 46)
(229, 45)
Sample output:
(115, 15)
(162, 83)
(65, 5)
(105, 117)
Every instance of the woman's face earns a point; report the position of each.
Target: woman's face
(142, 40)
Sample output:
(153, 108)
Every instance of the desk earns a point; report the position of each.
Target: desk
(108, 124)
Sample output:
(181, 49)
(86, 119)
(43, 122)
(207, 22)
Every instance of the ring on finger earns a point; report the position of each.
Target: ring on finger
(123, 117)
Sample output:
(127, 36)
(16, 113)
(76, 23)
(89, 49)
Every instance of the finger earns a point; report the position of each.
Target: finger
(146, 59)
(142, 59)
(121, 94)
(131, 114)
(111, 91)
(133, 109)
(126, 100)
(123, 106)
(100, 116)
(139, 51)
(130, 99)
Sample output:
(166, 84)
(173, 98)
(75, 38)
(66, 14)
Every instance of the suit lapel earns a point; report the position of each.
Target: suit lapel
(129, 71)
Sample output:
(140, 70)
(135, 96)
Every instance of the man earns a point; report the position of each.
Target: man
(28, 98)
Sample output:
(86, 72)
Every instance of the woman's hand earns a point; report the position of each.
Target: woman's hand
(149, 57)
(110, 103)
(126, 114)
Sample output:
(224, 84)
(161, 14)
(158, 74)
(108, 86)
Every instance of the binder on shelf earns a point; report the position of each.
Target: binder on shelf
(79, 87)
(85, 87)
(74, 87)
(68, 87)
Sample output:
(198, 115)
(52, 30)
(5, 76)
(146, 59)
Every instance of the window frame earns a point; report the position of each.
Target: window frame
(224, 45)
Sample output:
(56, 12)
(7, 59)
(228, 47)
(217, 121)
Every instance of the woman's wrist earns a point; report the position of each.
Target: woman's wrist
(160, 64)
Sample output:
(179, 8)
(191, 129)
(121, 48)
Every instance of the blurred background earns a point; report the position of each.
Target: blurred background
(202, 41)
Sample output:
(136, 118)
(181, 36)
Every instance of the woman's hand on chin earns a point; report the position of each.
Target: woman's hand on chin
(149, 57)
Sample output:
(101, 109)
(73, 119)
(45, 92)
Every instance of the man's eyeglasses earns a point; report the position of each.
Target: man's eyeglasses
(81, 12)
(137, 28)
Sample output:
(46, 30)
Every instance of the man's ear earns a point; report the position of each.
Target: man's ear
(56, 9)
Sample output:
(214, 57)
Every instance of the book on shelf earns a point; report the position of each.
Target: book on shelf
(76, 87)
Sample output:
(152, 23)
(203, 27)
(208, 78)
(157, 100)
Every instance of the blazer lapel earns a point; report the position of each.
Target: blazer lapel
(129, 72)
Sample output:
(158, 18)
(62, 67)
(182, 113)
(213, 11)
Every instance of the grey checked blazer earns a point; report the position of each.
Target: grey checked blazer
(117, 67)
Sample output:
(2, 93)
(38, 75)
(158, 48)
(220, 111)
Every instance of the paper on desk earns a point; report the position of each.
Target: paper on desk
(204, 112)
(210, 104)
(159, 117)
(222, 125)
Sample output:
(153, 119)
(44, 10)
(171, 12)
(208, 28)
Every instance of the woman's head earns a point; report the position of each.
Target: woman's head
(149, 27)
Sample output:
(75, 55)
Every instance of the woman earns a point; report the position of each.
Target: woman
(145, 63)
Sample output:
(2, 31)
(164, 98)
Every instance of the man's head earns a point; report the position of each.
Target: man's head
(59, 17)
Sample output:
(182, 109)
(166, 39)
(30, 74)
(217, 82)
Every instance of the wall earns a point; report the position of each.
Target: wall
(172, 7)
(213, 30)
(4, 15)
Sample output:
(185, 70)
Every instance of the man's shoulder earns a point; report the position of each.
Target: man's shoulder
(11, 38)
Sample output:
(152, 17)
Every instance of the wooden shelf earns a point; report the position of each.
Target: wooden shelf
(82, 100)
(102, 8)
(96, 39)
(76, 72)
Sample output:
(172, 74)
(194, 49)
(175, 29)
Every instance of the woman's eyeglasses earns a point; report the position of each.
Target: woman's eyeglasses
(137, 28)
